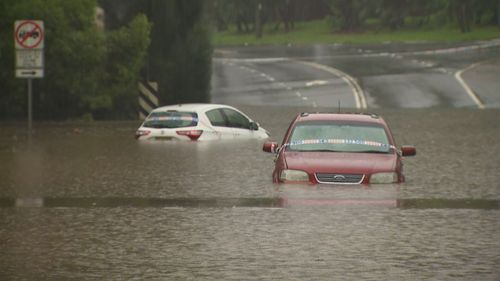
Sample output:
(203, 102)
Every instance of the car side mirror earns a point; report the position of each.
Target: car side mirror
(254, 126)
(270, 146)
(408, 150)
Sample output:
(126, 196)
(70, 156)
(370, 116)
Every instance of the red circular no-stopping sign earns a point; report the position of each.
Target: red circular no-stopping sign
(29, 34)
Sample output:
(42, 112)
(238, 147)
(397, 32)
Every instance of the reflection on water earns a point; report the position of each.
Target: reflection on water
(456, 159)
(279, 202)
(448, 204)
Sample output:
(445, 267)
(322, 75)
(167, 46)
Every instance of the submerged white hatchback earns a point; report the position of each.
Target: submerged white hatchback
(197, 122)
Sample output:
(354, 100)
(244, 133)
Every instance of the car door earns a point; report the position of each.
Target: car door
(219, 123)
(239, 123)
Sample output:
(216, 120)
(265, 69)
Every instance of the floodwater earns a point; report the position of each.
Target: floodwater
(86, 201)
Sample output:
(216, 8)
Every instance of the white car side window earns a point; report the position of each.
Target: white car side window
(236, 119)
(216, 118)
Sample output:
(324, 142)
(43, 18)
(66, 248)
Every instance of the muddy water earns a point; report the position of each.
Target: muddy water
(87, 201)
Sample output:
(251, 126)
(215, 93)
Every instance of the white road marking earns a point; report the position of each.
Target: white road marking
(470, 92)
(259, 60)
(269, 77)
(316, 83)
(357, 91)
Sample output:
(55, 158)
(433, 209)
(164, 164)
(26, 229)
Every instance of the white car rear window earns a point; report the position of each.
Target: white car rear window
(171, 119)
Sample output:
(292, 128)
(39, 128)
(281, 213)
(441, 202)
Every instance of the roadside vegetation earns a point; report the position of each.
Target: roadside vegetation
(85, 73)
(92, 64)
(353, 21)
(319, 32)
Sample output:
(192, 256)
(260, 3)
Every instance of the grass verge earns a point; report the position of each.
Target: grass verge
(319, 32)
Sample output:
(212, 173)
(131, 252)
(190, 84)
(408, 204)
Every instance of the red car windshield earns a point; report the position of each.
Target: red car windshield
(338, 137)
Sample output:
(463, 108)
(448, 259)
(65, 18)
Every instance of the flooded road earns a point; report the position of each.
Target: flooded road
(87, 201)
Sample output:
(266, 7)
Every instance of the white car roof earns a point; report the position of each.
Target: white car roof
(192, 107)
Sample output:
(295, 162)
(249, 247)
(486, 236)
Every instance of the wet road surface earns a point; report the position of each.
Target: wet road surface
(87, 201)
(389, 75)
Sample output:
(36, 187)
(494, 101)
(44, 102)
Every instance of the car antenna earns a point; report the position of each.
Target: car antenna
(339, 106)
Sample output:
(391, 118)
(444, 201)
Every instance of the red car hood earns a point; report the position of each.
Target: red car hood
(340, 162)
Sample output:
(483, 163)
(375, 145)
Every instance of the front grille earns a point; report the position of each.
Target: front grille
(339, 178)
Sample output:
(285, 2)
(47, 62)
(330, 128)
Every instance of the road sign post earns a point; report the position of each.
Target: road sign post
(29, 43)
(30, 108)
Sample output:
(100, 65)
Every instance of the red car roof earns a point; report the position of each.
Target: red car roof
(356, 117)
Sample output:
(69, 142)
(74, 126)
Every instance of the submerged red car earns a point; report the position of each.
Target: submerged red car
(338, 148)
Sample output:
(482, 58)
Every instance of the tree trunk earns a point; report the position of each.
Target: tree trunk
(258, 21)
(498, 13)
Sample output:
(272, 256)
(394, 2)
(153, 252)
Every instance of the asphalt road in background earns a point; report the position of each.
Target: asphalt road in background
(387, 76)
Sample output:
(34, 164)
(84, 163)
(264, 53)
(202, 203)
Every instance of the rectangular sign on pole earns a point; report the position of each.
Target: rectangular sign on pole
(29, 43)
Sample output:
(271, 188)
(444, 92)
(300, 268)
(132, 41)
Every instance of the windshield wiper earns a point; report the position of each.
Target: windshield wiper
(371, 151)
(316, 150)
(326, 150)
(333, 150)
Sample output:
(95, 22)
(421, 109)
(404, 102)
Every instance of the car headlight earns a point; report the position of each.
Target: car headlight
(293, 175)
(384, 178)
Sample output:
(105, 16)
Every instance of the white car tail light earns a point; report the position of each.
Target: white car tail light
(192, 134)
(140, 133)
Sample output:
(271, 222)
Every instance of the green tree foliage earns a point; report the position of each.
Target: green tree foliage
(12, 99)
(119, 12)
(126, 50)
(244, 14)
(284, 12)
(394, 13)
(279, 13)
(74, 55)
(462, 10)
(180, 55)
(87, 70)
(349, 15)
(357, 15)
(426, 12)
(486, 12)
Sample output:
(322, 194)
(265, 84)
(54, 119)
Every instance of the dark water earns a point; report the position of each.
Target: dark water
(89, 202)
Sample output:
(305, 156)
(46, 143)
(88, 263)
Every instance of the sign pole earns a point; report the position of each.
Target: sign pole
(30, 109)
(29, 44)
